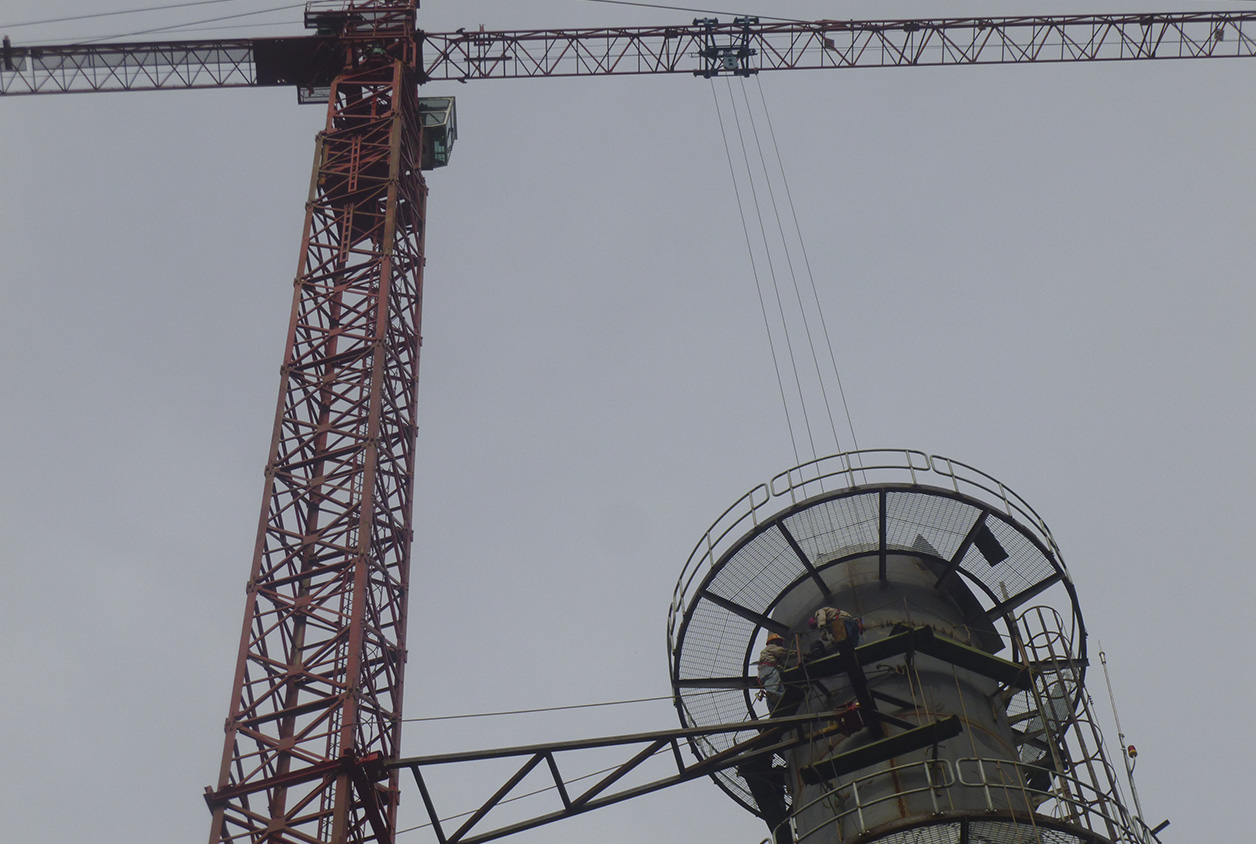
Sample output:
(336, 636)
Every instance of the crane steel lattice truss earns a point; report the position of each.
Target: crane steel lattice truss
(706, 48)
(316, 702)
(318, 685)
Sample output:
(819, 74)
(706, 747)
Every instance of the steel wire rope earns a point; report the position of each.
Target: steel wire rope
(802, 245)
(690, 9)
(789, 261)
(530, 793)
(963, 706)
(776, 288)
(72, 18)
(981, 762)
(539, 709)
(188, 24)
(235, 28)
(737, 14)
(754, 269)
(814, 738)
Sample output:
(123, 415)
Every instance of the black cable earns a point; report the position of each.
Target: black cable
(188, 24)
(789, 262)
(767, 249)
(754, 267)
(542, 709)
(234, 28)
(114, 14)
(814, 292)
(698, 11)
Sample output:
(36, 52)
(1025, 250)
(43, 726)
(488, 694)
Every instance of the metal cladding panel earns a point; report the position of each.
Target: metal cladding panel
(308, 62)
(1025, 565)
(760, 571)
(983, 832)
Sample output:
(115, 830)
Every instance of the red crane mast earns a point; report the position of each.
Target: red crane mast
(317, 694)
(319, 678)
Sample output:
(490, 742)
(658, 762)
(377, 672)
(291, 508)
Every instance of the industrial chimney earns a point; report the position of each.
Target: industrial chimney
(954, 711)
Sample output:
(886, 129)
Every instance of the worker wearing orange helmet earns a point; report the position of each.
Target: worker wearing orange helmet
(766, 783)
(772, 660)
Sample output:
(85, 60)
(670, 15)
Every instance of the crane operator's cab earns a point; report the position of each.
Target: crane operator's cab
(440, 130)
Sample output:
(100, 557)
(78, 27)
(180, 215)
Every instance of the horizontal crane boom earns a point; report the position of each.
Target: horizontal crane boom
(705, 48)
(747, 46)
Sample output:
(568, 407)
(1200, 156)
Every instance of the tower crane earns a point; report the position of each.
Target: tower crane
(317, 695)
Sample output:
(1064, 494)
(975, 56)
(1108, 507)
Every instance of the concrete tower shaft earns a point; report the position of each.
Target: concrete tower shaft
(956, 715)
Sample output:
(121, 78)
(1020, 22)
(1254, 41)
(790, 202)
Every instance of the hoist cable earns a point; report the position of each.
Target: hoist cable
(789, 197)
(780, 382)
(789, 344)
(780, 227)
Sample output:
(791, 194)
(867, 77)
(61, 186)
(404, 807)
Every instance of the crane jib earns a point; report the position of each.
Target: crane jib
(705, 48)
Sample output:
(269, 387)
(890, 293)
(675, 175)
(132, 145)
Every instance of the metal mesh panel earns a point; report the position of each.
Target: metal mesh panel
(715, 643)
(1024, 567)
(946, 833)
(942, 522)
(759, 572)
(716, 640)
(843, 525)
(980, 832)
(994, 832)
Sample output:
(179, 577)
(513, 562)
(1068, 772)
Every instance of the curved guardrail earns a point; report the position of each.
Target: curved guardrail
(1070, 800)
(848, 470)
(825, 510)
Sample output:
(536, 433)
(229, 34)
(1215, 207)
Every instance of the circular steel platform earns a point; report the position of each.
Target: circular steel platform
(770, 553)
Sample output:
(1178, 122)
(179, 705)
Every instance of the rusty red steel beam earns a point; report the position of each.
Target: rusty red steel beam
(317, 694)
(311, 61)
(321, 660)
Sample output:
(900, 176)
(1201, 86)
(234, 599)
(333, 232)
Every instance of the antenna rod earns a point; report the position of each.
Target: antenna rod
(1127, 751)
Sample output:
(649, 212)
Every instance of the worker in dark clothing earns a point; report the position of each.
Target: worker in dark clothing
(766, 783)
(772, 660)
(767, 787)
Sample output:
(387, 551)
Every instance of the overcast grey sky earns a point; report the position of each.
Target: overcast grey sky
(1044, 271)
